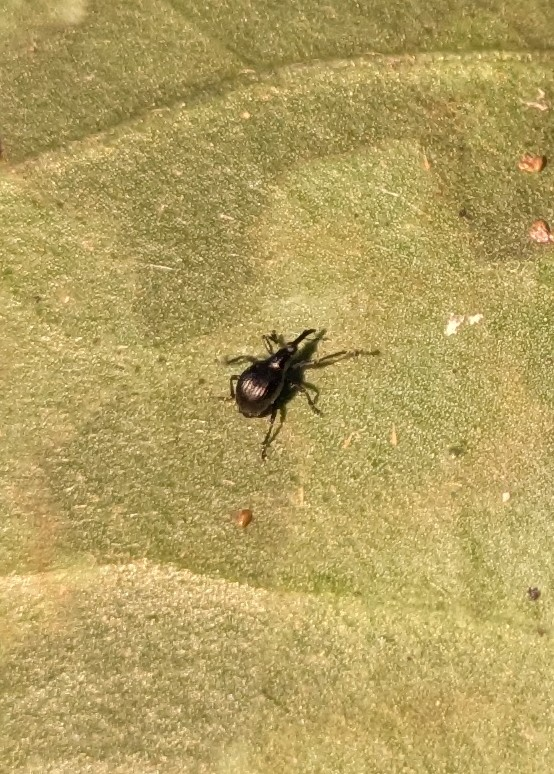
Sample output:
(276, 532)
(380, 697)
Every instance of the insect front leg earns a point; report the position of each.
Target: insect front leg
(326, 360)
(240, 359)
(335, 357)
(272, 340)
(232, 382)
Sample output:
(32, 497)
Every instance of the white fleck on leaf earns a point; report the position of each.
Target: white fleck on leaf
(454, 322)
(474, 318)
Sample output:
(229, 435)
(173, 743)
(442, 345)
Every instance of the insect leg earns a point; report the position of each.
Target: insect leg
(268, 439)
(270, 340)
(232, 381)
(305, 387)
(335, 357)
(239, 359)
(323, 361)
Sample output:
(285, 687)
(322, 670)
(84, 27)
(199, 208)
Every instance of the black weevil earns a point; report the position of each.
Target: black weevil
(262, 388)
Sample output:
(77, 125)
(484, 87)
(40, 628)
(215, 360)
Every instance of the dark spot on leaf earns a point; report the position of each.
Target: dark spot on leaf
(458, 450)
(463, 213)
(533, 593)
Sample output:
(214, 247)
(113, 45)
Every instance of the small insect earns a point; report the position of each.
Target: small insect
(265, 386)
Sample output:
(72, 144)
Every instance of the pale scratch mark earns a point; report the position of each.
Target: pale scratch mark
(160, 266)
(539, 103)
(348, 440)
(399, 196)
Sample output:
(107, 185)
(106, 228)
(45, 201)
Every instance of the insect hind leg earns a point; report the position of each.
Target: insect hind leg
(268, 439)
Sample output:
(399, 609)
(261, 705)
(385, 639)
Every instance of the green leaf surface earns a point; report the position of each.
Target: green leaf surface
(178, 179)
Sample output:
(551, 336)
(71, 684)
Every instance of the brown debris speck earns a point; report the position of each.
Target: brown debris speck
(530, 162)
(533, 593)
(243, 517)
(540, 232)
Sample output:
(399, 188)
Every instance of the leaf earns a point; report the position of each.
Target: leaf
(178, 179)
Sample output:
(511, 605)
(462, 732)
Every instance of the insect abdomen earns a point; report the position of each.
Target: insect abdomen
(256, 391)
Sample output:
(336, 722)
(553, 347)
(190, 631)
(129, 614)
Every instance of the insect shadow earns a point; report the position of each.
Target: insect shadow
(266, 387)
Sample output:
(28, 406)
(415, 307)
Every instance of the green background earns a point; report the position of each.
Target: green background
(179, 178)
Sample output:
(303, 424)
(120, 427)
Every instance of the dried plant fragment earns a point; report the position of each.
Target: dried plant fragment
(530, 162)
(540, 232)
